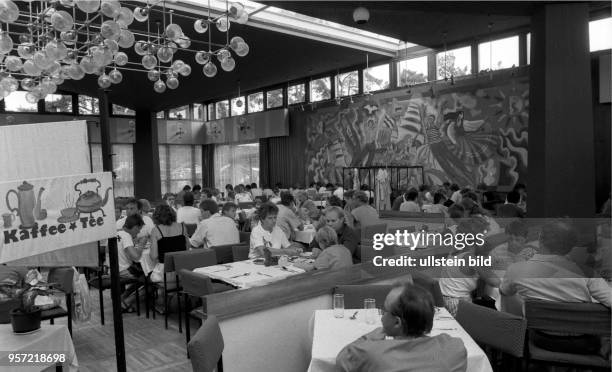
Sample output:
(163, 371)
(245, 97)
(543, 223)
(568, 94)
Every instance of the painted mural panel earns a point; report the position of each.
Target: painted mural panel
(468, 135)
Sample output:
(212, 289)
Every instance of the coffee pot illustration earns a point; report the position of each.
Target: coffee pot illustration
(26, 204)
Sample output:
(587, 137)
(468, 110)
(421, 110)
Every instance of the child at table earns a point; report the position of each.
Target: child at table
(330, 254)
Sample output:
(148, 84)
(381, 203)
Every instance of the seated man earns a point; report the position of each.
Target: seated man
(363, 213)
(334, 218)
(188, 213)
(438, 205)
(134, 207)
(266, 235)
(287, 220)
(411, 205)
(216, 229)
(551, 276)
(515, 249)
(402, 344)
(129, 254)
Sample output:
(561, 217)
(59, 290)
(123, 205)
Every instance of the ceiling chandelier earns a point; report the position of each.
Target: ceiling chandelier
(47, 42)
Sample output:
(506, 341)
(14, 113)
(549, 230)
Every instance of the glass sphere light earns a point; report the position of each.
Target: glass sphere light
(209, 69)
(159, 86)
(200, 26)
(115, 76)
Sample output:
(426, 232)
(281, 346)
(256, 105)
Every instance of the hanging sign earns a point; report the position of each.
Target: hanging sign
(47, 214)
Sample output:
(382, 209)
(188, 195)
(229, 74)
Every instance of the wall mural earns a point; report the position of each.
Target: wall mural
(468, 136)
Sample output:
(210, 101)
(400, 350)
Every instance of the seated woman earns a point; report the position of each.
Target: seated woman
(167, 236)
(458, 282)
(330, 254)
(266, 235)
(402, 343)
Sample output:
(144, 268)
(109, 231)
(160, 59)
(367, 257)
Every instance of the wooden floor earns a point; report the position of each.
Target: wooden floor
(149, 346)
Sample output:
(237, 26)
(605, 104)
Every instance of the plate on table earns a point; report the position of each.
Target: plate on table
(306, 254)
(258, 261)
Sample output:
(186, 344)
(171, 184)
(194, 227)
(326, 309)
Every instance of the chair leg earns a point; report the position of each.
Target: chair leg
(69, 306)
(147, 299)
(165, 302)
(138, 301)
(52, 321)
(178, 304)
(101, 294)
(220, 364)
(187, 329)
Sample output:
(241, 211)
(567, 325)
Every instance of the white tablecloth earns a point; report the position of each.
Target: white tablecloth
(332, 334)
(246, 274)
(48, 339)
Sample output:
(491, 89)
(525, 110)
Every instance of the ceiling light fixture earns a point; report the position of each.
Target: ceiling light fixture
(53, 41)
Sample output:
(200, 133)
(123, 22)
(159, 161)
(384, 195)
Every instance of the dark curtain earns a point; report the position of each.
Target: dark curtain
(208, 165)
(264, 164)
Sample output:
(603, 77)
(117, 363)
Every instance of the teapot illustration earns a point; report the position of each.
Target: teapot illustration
(26, 203)
(90, 201)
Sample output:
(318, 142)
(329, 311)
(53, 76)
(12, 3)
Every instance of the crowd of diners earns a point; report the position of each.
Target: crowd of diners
(277, 214)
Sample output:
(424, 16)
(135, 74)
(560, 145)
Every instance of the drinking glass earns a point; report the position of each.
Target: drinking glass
(371, 312)
(339, 305)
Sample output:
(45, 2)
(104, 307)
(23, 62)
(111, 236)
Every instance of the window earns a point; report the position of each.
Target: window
(198, 112)
(296, 94)
(236, 164)
(160, 115)
(455, 62)
(347, 84)
(412, 71)
(88, 105)
(123, 166)
(58, 103)
(597, 34)
(179, 113)
(529, 48)
(120, 110)
(320, 89)
(16, 102)
(238, 107)
(211, 112)
(376, 78)
(222, 108)
(498, 54)
(274, 98)
(255, 102)
(179, 165)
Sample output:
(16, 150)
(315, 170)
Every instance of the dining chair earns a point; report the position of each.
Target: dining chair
(196, 286)
(167, 258)
(224, 253)
(574, 318)
(240, 252)
(191, 228)
(62, 278)
(501, 331)
(354, 294)
(206, 348)
(190, 260)
(245, 237)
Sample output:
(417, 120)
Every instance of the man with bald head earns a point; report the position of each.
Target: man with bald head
(334, 218)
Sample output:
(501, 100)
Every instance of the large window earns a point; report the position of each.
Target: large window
(498, 54)
(256, 102)
(347, 84)
(211, 111)
(88, 105)
(179, 113)
(123, 166)
(274, 98)
(179, 165)
(412, 71)
(600, 32)
(58, 103)
(222, 109)
(120, 110)
(199, 112)
(238, 106)
(236, 164)
(16, 102)
(296, 94)
(455, 62)
(320, 89)
(376, 78)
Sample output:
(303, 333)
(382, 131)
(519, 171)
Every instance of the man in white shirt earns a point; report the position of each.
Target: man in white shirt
(188, 214)
(287, 220)
(411, 205)
(129, 254)
(456, 196)
(255, 191)
(134, 207)
(339, 191)
(266, 235)
(216, 229)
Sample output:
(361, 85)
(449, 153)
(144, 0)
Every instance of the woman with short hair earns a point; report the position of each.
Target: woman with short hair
(331, 255)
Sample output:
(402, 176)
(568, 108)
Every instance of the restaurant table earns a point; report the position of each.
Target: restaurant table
(247, 274)
(48, 340)
(331, 335)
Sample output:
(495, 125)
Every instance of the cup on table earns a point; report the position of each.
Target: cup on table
(371, 312)
(283, 261)
(338, 305)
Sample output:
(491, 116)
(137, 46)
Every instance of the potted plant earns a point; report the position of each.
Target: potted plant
(26, 317)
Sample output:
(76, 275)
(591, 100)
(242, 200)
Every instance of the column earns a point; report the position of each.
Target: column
(147, 180)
